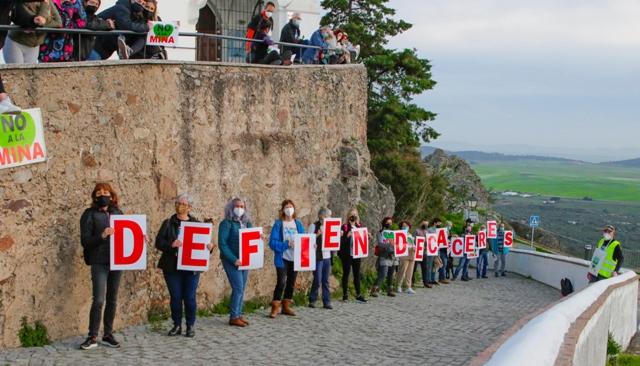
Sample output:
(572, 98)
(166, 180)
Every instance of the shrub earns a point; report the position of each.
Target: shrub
(35, 336)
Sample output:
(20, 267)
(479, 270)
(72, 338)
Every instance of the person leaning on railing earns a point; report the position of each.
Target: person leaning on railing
(265, 52)
(291, 34)
(22, 46)
(95, 23)
(59, 47)
(607, 258)
(318, 39)
(122, 14)
(252, 28)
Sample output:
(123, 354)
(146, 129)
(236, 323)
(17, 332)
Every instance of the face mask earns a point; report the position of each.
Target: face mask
(607, 236)
(404, 228)
(352, 219)
(424, 227)
(296, 22)
(270, 33)
(148, 14)
(91, 9)
(289, 211)
(103, 201)
(136, 8)
(268, 14)
(501, 228)
(238, 211)
(386, 225)
(325, 35)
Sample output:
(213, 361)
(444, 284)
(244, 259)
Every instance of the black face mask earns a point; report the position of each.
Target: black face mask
(91, 9)
(136, 8)
(386, 225)
(424, 227)
(148, 14)
(352, 219)
(103, 201)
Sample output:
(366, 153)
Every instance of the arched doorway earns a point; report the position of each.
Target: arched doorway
(208, 49)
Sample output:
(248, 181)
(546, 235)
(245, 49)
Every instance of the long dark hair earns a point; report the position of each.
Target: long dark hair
(387, 218)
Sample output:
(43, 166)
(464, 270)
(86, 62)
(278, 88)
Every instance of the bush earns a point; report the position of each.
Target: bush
(35, 336)
(613, 348)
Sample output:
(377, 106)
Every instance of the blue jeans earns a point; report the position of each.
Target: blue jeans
(464, 266)
(182, 287)
(442, 272)
(321, 276)
(481, 264)
(94, 56)
(238, 280)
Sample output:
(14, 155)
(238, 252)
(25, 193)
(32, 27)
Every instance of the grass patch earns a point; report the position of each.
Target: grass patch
(616, 358)
(156, 316)
(33, 336)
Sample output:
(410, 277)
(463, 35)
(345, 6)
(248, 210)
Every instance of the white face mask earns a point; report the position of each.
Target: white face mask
(269, 14)
(607, 236)
(238, 211)
(270, 34)
(289, 211)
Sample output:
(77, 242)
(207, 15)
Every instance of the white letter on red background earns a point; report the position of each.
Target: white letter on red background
(331, 234)
(432, 244)
(419, 253)
(482, 239)
(304, 252)
(126, 246)
(251, 251)
(193, 255)
(492, 229)
(401, 243)
(360, 242)
(443, 241)
(457, 247)
(469, 244)
(508, 239)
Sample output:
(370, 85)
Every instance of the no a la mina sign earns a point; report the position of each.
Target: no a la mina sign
(22, 139)
(163, 34)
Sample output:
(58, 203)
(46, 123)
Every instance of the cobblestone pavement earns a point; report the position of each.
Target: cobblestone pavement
(447, 325)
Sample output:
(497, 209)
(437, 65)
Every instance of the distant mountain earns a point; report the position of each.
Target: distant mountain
(479, 156)
(631, 163)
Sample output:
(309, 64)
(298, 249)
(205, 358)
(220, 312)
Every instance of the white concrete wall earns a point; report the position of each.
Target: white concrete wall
(540, 340)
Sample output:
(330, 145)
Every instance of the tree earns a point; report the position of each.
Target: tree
(396, 125)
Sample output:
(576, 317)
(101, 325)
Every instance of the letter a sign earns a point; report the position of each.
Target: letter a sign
(251, 251)
(360, 243)
(127, 247)
(304, 252)
(193, 255)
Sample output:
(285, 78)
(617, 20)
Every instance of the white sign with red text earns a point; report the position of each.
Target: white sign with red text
(127, 247)
(457, 247)
(359, 242)
(193, 255)
(432, 244)
(251, 250)
(508, 239)
(469, 244)
(492, 229)
(304, 252)
(482, 239)
(443, 241)
(401, 243)
(331, 234)
(418, 255)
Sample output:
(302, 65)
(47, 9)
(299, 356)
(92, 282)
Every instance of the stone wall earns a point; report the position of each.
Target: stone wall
(157, 129)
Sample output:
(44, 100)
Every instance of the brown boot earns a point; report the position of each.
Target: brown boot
(237, 322)
(374, 291)
(275, 309)
(286, 307)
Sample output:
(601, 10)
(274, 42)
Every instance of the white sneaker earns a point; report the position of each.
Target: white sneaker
(399, 290)
(124, 51)
(410, 291)
(6, 106)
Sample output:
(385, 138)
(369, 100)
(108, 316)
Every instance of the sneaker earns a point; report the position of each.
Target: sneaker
(399, 290)
(410, 291)
(328, 306)
(465, 279)
(123, 50)
(176, 330)
(444, 281)
(345, 298)
(391, 294)
(504, 274)
(485, 276)
(89, 343)
(109, 341)
(427, 285)
(192, 333)
(312, 305)
(361, 299)
(496, 274)
(6, 106)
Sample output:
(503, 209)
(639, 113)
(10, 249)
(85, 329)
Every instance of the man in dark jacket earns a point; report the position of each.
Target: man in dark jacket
(252, 28)
(291, 34)
(123, 15)
(93, 23)
(5, 10)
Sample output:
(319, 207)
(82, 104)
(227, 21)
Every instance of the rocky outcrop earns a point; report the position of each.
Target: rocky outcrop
(463, 180)
(156, 129)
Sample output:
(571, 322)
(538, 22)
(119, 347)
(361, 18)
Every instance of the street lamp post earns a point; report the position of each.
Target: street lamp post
(472, 202)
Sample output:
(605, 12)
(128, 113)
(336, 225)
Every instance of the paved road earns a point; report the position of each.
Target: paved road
(442, 326)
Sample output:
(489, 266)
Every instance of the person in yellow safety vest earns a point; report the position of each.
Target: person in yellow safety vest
(607, 258)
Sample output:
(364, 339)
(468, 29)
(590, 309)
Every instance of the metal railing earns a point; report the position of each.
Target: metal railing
(116, 32)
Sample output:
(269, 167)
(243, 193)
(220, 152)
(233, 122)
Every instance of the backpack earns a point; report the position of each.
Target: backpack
(566, 287)
(58, 47)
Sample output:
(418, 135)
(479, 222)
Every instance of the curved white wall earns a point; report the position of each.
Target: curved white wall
(573, 331)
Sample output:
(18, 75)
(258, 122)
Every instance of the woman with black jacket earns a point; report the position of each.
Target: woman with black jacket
(94, 237)
(182, 285)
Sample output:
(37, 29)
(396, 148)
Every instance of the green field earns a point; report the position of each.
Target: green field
(563, 179)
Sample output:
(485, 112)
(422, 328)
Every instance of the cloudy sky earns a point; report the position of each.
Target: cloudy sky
(531, 76)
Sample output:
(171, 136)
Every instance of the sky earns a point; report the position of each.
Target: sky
(549, 77)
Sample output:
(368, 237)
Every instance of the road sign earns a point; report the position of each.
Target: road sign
(534, 221)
